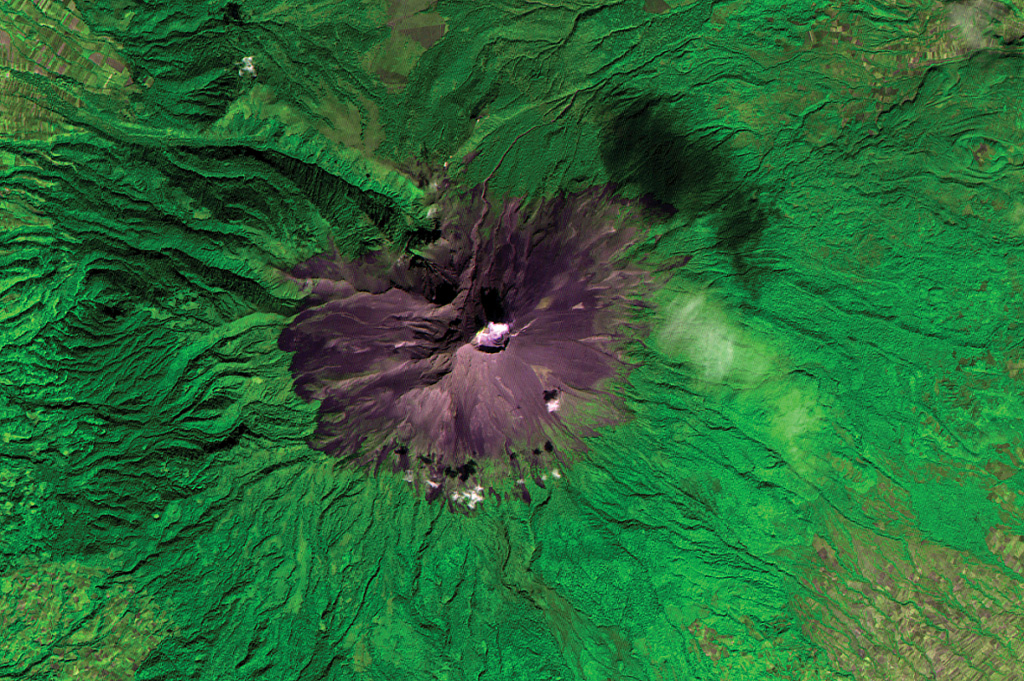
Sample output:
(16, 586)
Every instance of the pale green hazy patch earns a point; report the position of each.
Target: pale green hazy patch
(725, 359)
(695, 328)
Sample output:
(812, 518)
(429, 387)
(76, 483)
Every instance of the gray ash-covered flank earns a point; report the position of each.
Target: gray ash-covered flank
(484, 356)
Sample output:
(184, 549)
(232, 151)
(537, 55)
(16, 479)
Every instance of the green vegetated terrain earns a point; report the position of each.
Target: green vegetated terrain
(822, 477)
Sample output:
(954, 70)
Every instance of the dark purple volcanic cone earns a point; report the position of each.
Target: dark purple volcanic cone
(477, 361)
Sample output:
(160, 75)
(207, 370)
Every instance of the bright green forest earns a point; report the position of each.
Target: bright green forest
(816, 466)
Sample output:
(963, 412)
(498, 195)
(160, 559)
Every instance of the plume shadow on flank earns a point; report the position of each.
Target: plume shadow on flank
(649, 145)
